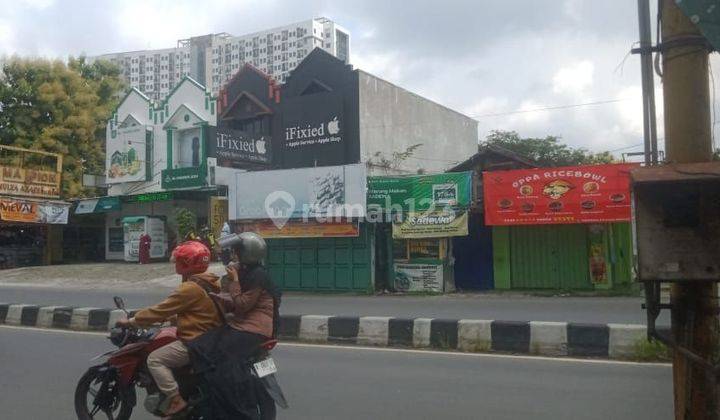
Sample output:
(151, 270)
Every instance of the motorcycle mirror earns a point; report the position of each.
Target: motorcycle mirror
(119, 303)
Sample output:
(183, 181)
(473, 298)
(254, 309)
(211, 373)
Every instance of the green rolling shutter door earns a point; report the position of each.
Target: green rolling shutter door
(332, 264)
(549, 257)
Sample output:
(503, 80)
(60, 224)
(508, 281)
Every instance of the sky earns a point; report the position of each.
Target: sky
(480, 57)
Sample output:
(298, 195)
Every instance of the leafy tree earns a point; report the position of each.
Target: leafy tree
(186, 221)
(61, 108)
(547, 151)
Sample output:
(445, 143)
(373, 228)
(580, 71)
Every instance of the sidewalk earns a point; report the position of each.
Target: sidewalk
(140, 286)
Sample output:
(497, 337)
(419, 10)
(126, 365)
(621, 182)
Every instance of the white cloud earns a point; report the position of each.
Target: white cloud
(37, 4)
(575, 78)
(7, 39)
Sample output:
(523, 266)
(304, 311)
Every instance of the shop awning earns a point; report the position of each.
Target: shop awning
(98, 205)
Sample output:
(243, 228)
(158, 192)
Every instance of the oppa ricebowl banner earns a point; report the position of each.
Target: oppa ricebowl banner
(574, 194)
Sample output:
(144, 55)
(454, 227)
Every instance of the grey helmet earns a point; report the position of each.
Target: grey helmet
(250, 246)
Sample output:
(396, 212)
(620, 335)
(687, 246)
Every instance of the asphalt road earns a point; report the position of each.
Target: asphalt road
(40, 367)
(456, 306)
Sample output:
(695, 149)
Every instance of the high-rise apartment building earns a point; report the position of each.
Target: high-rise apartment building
(213, 59)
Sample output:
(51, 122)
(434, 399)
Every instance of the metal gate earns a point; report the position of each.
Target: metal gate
(549, 257)
(322, 264)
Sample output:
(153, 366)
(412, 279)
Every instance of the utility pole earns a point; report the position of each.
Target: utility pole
(648, 86)
(688, 139)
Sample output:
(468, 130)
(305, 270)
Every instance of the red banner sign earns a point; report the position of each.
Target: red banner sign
(573, 194)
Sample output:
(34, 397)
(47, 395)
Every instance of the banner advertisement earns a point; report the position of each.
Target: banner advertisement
(299, 229)
(322, 192)
(576, 194)
(233, 148)
(440, 224)
(418, 277)
(34, 212)
(18, 211)
(420, 192)
(126, 155)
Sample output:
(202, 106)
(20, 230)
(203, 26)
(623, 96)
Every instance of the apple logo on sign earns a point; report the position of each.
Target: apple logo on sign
(334, 126)
(260, 146)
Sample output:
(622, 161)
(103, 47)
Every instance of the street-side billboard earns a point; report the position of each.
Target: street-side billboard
(307, 193)
(17, 178)
(126, 155)
(418, 193)
(574, 194)
(233, 148)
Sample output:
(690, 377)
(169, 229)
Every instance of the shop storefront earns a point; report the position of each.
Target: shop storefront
(158, 162)
(31, 216)
(560, 228)
(311, 218)
(425, 212)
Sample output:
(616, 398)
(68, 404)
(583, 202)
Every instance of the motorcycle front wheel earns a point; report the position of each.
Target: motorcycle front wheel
(99, 395)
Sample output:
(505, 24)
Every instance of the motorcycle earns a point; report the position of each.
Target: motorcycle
(109, 389)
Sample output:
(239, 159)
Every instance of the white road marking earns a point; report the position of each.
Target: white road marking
(394, 350)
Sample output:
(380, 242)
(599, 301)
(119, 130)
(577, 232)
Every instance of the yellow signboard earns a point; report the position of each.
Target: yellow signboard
(17, 179)
(300, 229)
(218, 214)
(431, 225)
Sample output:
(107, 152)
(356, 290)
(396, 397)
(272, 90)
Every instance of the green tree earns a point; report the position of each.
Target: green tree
(186, 222)
(546, 151)
(61, 108)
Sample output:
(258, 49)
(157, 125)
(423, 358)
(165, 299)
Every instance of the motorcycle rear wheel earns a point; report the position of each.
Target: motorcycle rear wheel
(116, 401)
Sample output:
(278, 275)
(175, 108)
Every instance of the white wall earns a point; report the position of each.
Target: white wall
(158, 208)
(392, 119)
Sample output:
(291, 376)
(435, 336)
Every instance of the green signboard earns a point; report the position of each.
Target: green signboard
(705, 14)
(148, 197)
(420, 192)
(183, 177)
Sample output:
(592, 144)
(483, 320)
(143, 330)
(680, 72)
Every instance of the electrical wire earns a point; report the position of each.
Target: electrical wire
(551, 108)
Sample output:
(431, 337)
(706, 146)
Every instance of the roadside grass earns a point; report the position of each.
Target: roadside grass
(651, 351)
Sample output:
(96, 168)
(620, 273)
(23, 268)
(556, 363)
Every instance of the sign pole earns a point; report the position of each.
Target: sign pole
(687, 140)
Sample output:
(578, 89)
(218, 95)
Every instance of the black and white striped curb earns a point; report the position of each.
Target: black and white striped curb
(613, 341)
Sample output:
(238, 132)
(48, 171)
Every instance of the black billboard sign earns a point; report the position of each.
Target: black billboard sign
(313, 132)
(234, 148)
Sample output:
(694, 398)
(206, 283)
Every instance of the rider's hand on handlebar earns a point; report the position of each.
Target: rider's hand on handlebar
(123, 323)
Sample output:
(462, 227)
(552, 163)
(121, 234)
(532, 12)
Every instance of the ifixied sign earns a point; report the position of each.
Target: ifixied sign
(234, 147)
(307, 135)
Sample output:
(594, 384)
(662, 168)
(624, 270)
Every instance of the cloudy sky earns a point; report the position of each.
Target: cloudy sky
(481, 57)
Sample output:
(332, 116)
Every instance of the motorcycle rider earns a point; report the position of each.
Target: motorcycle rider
(195, 311)
(251, 305)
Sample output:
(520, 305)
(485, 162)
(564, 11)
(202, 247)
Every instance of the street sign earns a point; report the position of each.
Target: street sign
(705, 14)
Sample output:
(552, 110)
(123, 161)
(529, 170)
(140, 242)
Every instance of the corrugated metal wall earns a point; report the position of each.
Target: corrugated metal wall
(331, 264)
(557, 257)
(549, 257)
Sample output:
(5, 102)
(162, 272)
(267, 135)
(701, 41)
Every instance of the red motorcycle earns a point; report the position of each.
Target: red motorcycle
(108, 389)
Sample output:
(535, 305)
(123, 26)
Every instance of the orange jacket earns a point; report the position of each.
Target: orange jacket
(196, 313)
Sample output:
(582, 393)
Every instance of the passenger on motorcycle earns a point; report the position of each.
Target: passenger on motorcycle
(250, 302)
(195, 311)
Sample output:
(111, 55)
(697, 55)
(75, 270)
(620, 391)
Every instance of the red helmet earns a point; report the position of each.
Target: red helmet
(191, 257)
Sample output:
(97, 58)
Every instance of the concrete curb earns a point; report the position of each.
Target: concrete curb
(607, 341)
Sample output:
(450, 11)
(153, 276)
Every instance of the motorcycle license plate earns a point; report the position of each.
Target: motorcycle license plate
(265, 367)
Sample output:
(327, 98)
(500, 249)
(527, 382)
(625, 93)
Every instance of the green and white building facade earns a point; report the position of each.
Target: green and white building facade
(157, 161)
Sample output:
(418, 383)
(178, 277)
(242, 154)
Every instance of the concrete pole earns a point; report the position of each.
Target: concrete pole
(688, 139)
